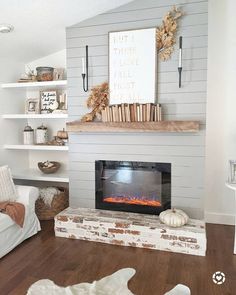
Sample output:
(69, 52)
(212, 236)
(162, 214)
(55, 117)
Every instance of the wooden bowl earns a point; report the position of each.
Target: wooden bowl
(48, 170)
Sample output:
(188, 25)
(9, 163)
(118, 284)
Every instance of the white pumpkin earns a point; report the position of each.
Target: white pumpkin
(174, 217)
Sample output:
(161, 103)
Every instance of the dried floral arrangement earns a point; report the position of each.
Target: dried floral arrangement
(97, 101)
(166, 34)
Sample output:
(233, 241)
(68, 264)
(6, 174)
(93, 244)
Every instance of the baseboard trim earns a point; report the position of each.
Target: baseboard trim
(219, 218)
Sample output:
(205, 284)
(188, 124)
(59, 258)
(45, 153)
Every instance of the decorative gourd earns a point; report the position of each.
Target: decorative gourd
(174, 217)
(62, 134)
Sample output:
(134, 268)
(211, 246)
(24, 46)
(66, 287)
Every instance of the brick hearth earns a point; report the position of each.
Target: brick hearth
(131, 229)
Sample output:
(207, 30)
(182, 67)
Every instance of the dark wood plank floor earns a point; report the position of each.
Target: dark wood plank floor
(69, 262)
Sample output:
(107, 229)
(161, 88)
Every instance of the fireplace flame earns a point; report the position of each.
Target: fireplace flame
(133, 201)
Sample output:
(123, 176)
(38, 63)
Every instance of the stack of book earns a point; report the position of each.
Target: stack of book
(135, 112)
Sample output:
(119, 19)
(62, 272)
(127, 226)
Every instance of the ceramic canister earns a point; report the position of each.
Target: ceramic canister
(41, 134)
(28, 135)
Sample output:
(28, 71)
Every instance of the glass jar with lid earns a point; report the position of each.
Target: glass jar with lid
(28, 135)
(41, 135)
(45, 73)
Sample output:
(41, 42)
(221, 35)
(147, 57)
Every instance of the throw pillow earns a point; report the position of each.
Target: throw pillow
(7, 187)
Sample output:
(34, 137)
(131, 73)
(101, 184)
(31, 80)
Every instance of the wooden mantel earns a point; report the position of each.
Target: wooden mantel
(163, 126)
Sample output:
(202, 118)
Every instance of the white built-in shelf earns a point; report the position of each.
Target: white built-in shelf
(36, 85)
(36, 147)
(232, 186)
(35, 174)
(35, 116)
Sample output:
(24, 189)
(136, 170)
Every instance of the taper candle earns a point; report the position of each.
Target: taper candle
(83, 66)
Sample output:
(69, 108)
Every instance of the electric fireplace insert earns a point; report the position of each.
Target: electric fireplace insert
(141, 187)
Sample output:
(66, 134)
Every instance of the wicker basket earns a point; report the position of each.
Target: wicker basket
(59, 203)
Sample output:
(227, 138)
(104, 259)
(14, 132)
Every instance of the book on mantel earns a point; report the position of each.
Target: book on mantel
(135, 112)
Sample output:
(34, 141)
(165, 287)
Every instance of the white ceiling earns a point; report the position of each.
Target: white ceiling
(40, 24)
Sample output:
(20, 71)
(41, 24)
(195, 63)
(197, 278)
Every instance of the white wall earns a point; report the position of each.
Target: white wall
(221, 108)
(56, 60)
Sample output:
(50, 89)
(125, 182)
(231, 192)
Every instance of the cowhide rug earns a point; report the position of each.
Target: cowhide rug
(115, 284)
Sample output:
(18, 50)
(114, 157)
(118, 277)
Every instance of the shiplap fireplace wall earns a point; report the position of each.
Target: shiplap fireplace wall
(186, 152)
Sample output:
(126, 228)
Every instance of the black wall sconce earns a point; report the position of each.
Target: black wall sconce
(180, 60)
(85, 70)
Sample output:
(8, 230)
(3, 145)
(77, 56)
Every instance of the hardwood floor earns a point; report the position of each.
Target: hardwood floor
(68, 262)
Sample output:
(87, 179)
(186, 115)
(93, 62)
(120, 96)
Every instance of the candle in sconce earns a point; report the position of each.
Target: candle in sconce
(180, 60)
(180, 52)
(83, 66)
(84, 73)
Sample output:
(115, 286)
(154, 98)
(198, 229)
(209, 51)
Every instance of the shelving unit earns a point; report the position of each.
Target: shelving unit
(36, 153)
(34, 174)
(35, 116)
(36, 85)
(35, 147)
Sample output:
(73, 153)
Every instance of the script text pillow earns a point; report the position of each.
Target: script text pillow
(7, 187)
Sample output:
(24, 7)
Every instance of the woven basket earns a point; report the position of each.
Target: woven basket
(59, 203)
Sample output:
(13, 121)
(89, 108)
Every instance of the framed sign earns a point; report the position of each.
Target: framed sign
(132, 66)
(49, 101)
(32, 106)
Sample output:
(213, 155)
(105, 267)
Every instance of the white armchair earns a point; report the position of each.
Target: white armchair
(27, 195)
(11, 234)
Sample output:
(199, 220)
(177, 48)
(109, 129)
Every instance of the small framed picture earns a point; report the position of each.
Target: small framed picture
(63, 101)
(58, 74)
(32, 106)
(49, 102)
(232, 174)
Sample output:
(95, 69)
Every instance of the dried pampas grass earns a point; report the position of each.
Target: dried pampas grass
(166, 34)
(97, 101)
